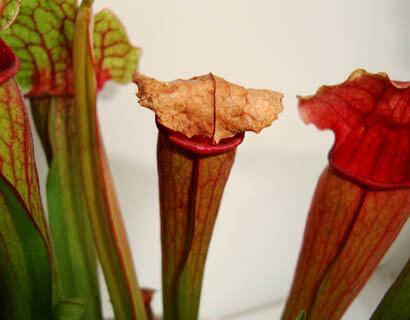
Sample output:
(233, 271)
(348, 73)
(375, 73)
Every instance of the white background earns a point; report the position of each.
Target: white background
(289, 46)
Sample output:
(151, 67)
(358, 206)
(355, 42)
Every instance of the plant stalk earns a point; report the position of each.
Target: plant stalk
(40, 110)
(68, 218)
(191, 187)
(108, 229)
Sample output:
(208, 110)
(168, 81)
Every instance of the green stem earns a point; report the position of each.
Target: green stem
(395, 303)
(68, 218)
(108, 230)
(40, 110)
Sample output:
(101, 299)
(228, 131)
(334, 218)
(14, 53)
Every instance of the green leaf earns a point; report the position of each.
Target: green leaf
(25, 272)
(395, 303)
(9, 10)
(69, 310)
(302, 315)
(41, 37)
(16, 151)
(115, 57)
(76, 258)
(25, 253)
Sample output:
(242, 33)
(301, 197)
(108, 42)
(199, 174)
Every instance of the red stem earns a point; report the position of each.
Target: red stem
(348, 231)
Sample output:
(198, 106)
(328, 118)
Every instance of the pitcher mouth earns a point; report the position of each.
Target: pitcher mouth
(201, 145)
(9, 64)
